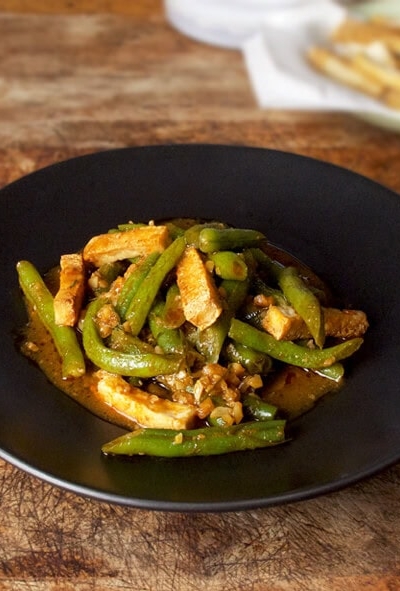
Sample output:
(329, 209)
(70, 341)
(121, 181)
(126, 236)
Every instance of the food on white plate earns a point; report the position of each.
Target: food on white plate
(363, 55)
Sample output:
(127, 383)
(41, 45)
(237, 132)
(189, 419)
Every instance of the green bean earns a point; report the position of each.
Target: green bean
(64, 337)
(151, 284)
(169, 339)
(213, 239)
(174, 230)
(205, 441)
(289, 352)
(110, 271)
(173, 315)
(261, 287)
(335, 372)
(210, 341)
(304, 302)
(130, 226)
(144, 365)
(295, 292)
(192, 234)
(126, 298)
(106, 274)
(120, 340)
(253, 361)
(125, 227)
(256, 408)
(229, 265)
(273, 268)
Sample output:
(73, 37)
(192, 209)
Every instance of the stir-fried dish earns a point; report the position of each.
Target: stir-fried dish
(198, 338)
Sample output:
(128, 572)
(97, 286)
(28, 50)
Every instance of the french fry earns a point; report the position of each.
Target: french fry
(379, 54)
(389, 77)
(364, 55)
(365, 32)
(342, 70)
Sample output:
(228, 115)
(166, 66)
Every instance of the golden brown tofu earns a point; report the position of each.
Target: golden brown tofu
(285, 324)
(148, 410)
(200, 298)
(141, 240)
(68, 299)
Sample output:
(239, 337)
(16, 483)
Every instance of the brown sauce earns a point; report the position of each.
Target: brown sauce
(38, 346)
(295, 390)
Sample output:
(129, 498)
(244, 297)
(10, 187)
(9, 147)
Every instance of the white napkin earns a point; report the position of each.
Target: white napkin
(280, 74)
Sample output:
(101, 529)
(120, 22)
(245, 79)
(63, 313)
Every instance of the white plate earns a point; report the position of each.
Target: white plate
(225, 23)
(391, 9)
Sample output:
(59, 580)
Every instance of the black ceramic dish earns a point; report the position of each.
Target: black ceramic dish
(342, 225)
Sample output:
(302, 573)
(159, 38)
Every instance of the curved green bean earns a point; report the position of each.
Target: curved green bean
(304, 301)
(213, 239)
(206, 441)
(335, 372)
(143, 365)
(192, 234)
(169, 339)
(257, 409)
(120, 340)
(289, 352)
(64, 337)
(253, 361)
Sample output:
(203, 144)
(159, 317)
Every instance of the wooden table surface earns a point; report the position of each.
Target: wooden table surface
(81, 76)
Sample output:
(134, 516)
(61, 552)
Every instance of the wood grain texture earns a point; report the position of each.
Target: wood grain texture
(57, 540)
(139, 9)
(73, 84)
(81, 77)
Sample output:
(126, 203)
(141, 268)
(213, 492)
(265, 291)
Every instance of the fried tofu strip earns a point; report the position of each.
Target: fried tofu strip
(148, 410)
(68, 299)
(366, 32)
(201, 302)
(284, 324)
(141, 240)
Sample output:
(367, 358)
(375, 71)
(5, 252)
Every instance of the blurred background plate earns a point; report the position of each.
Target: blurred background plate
(226, 23)
(391, 10)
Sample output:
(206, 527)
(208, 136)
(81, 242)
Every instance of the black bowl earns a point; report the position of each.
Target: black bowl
(342, 225)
